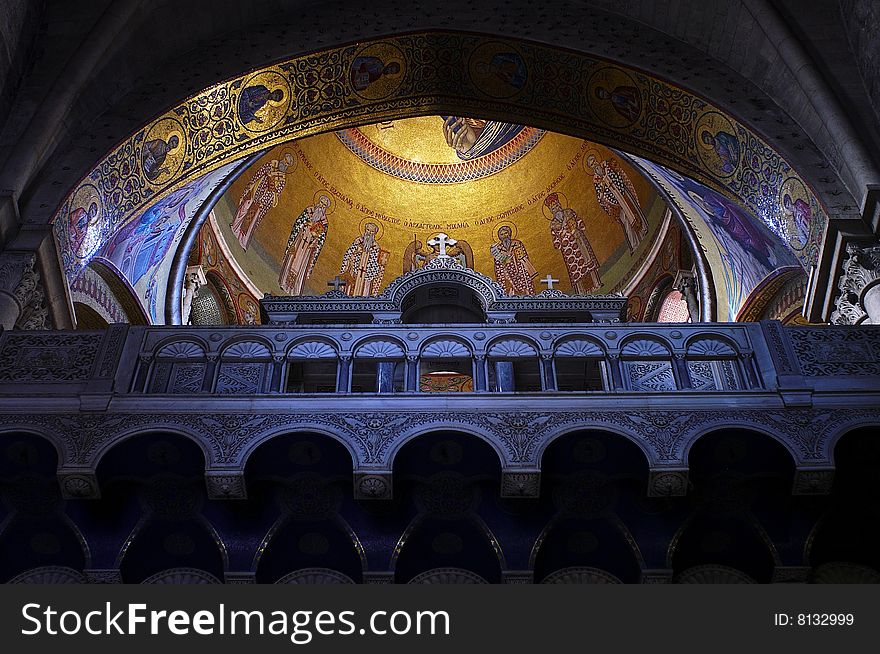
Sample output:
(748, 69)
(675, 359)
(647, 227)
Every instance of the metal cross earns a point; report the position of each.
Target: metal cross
(337, 283)
(442, 240)
(549, 281)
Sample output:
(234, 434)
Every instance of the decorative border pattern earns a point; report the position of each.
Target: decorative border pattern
(440, 173)
(323, 92)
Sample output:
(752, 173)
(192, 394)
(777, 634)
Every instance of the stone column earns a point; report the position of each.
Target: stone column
(277, 383)
(344, 373)
(480, 382)
(210, 371)
(615, 368)
(680, 370)
(385, 376)
(859, 300)
(504, 376)
(412, 373)
(21, 294)
(547, 371)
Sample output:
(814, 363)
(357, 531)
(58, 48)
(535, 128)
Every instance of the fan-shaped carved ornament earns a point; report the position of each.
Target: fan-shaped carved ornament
(182, 350)
(312, 350)
(448, 576)
(50, 574)
(710, 347)
(713, 574)
(247, 350)
(581, 575)
(579, 348)
(512, 348)
(446, 349)
(645, 347)
(379, 350)
(315, 576)
(182, 576)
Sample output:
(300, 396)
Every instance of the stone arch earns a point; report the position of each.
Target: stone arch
(537, 55)
(764, 545)
(846, 427)
(62, 455)
(486, 290)
(304, 546)
(305, 427)
(154, 428)
(480, 533)
(621, 551)
(736, 423)
(450, 425)
(651, 457)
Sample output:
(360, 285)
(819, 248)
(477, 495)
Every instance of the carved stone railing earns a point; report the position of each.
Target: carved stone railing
(665, 386)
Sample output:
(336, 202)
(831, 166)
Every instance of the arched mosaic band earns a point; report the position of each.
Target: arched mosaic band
(437, 73)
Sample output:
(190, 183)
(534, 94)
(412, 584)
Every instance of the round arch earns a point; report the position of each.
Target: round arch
(228, 136)
(650, 456)
(446, 426)
(761, 430)
(305, 428)
(153, 429)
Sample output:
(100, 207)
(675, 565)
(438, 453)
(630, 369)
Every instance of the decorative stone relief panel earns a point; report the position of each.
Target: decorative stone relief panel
(827, 352)
(41, 357)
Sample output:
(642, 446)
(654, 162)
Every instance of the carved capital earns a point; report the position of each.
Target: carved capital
(226, 485)
(657, 576)
(518, 576)
(240, 578)
(379, 577)
(860, 270)
(790, 574)
(373, 486)
(13, 268)
(103, 576)
(813, 481)
(665, 482)
(79, 485)
(520, 483)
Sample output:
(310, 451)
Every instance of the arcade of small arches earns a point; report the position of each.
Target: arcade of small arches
(448, 520)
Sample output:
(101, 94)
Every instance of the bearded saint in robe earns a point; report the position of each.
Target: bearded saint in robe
(303, 246)
(261, 194)
(513, 270)
(618, 198)
(569, 237)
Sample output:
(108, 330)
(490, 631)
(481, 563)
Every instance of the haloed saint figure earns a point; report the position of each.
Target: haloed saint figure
(513, 270)
(262, 193)
(304, 246)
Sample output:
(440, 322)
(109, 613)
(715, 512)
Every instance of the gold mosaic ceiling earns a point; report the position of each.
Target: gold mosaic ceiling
(363, 204)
